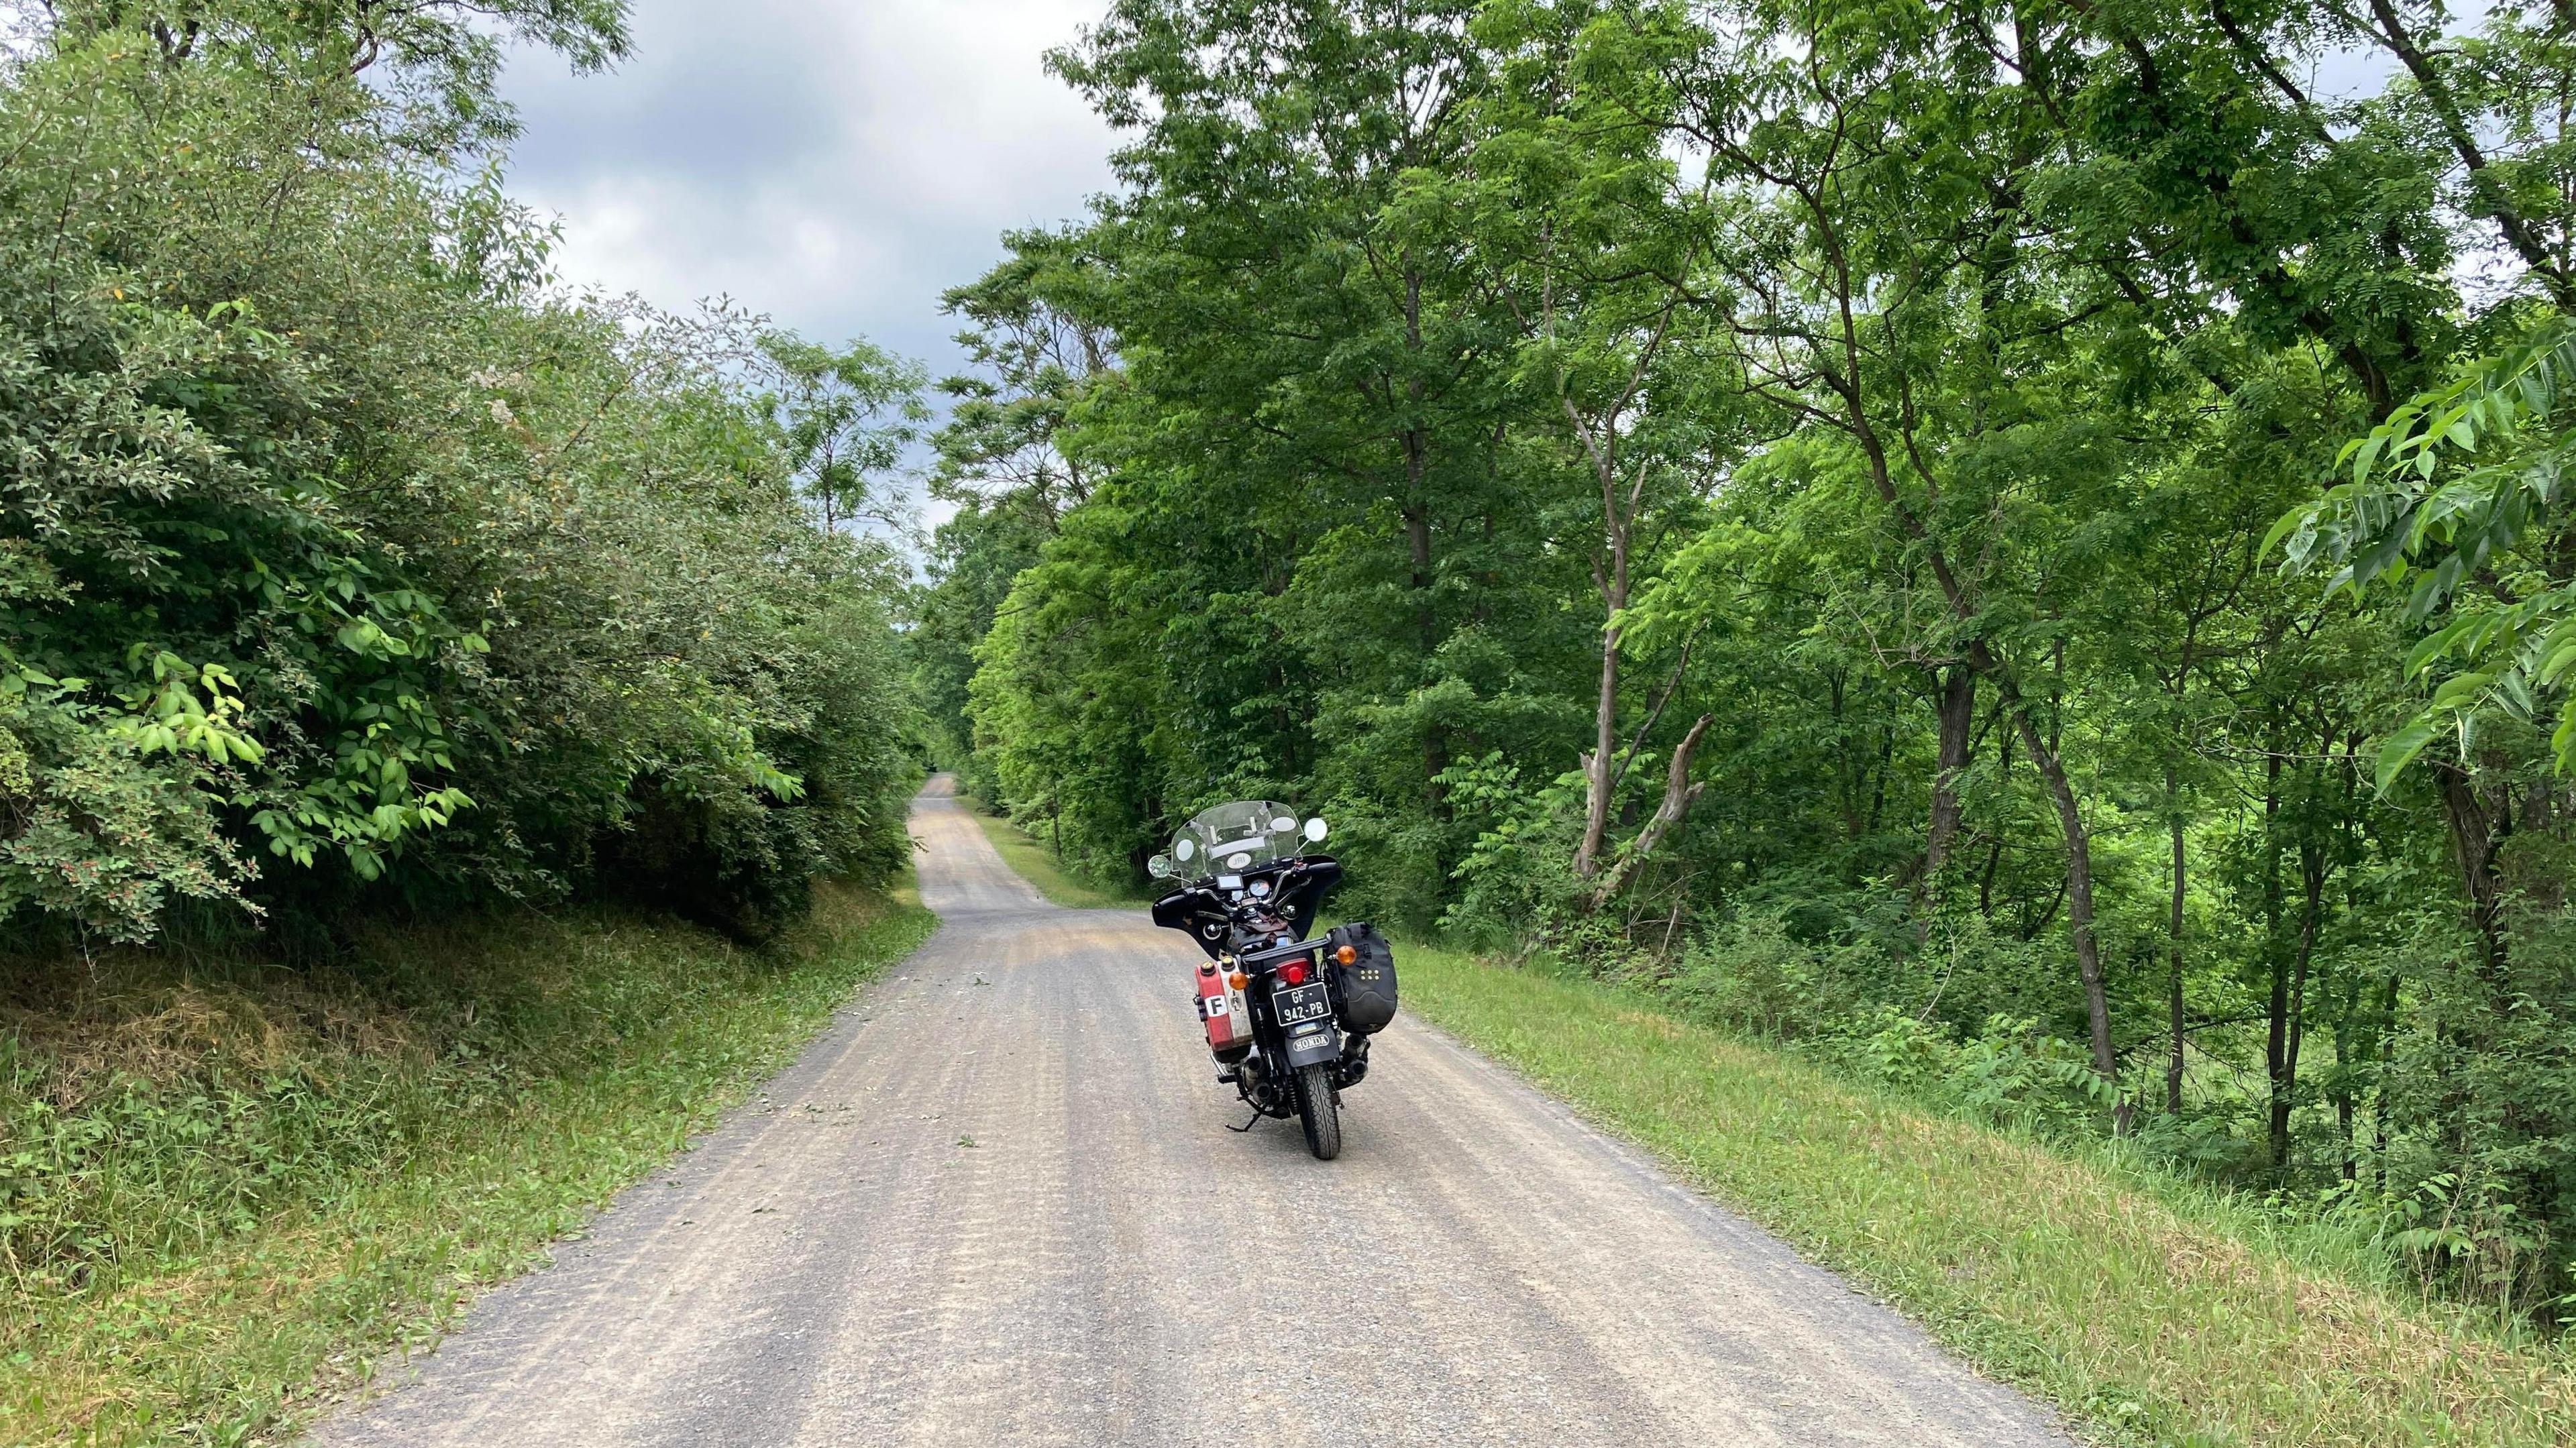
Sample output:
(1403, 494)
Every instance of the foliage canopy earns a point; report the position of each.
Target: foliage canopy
(1779, 499)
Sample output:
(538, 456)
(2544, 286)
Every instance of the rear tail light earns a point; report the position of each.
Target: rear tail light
(1294, 972)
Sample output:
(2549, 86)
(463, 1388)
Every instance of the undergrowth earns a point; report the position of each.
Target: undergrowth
(230, 1189)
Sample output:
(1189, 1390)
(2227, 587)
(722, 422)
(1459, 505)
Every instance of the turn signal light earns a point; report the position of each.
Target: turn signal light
(1294, 972)
(1347, 955)
(1238, 980)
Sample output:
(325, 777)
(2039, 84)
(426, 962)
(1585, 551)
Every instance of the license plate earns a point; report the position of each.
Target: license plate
(1305, 1003)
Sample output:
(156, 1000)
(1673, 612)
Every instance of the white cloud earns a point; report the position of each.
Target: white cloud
(835, 165)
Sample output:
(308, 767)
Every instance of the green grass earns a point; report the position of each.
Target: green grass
(1038, 865)
(228, 1192)
(2150, 1311)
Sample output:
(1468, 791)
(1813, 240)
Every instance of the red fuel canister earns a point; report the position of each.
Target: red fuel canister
(1229, 1026)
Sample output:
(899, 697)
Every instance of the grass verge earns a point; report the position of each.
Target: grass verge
(1037, 865)
(229, 1191)
(2150, 1311)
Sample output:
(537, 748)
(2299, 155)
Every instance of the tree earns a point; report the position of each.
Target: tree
(1593, 238)
(845, 419)
(341, 562)
(1003, 464)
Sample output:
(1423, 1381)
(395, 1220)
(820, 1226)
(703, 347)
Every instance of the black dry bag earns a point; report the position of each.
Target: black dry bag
(1365, 988)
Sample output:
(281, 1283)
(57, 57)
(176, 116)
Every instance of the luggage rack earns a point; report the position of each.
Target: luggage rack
(1280, 952)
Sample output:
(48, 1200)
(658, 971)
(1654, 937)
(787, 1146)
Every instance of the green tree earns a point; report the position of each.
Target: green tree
(344, 563)
(845, 418)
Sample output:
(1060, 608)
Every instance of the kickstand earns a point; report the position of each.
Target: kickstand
(1247, 1126)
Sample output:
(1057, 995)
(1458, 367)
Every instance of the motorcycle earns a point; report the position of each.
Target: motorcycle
(1287, 1017)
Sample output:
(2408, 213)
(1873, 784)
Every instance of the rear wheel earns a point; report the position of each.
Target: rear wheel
(1319, 1112)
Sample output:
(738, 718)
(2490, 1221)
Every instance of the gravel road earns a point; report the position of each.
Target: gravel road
(991, 1207)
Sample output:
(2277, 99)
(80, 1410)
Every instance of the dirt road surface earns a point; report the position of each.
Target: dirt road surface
(997, 1204)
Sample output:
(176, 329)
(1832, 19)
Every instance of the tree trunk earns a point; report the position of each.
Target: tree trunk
(2343, 1049)
(2289, 1016)
(1417, 537)
(2173, 971)
(1597, 764)
(1600, 770)
(2079, 903)
(2343, 1133)
(1417, 542)
(1679, 793)
(1416, 443)
(1995, 839)
(1958, 710)
(2473, 852)
(2276, 1009)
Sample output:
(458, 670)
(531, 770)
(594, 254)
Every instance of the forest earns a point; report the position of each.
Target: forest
(2015, 544)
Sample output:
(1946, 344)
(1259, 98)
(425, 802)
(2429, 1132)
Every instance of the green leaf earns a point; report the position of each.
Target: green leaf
(2287, 524)
(2401, 749)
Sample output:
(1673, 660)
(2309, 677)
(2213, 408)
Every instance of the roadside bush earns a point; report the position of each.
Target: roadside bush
(2009, 1073)
(1752, 974)
(1888, 1013)
(152, 1108)
(344, 561)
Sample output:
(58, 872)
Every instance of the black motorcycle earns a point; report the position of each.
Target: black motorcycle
(1287, 1017)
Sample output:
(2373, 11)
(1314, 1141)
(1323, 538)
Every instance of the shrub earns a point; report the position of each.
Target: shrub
(341, 559)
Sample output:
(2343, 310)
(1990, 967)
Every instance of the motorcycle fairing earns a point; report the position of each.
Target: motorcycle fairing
(1193, 908)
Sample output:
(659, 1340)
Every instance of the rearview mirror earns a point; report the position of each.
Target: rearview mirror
(1315, 829)
(1160, 867)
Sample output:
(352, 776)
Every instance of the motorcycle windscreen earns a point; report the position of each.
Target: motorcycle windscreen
(1244, 834)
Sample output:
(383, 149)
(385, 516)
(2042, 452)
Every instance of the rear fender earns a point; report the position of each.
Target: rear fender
(1315, 1047)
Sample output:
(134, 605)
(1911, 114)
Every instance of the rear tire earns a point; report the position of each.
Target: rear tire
(1320, 1114)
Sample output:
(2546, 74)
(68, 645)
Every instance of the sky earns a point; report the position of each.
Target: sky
(833, 163)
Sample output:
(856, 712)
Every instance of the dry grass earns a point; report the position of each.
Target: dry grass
(2148, 1310)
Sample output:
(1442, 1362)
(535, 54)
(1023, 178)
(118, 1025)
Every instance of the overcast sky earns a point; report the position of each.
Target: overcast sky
(834, 163)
